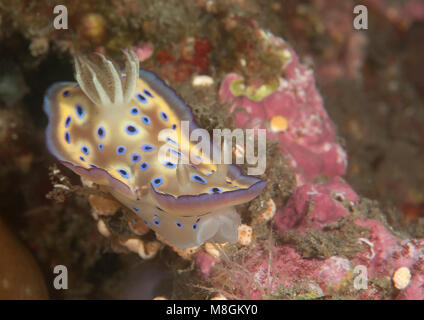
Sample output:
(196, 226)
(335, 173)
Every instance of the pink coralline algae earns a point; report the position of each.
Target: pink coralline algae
(308, 139)
(281, 271)
(143, 51)
(294, 116)
(388, 253)
(256, 278)
(314, 206)
(205, 262)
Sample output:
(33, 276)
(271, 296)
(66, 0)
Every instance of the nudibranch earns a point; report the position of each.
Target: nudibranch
(108, 127)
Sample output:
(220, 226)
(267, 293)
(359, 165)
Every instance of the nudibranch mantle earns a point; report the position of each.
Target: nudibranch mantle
(105, 127)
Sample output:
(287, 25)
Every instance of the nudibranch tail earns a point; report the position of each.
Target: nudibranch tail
(110, 127)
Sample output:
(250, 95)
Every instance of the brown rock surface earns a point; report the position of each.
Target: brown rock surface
(20, 277)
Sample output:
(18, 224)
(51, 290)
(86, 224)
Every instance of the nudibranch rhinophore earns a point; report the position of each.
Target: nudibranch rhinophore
(108, 127)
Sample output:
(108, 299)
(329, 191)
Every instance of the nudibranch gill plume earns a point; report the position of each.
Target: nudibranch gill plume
(109, 126)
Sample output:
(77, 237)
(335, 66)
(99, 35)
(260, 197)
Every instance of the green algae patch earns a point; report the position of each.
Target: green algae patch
(238, 88)
(340, 238)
